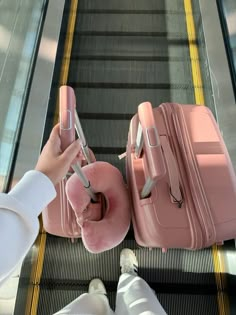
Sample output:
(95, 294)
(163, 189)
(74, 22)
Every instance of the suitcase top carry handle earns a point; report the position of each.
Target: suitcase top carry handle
(151, 140)
(147, 135)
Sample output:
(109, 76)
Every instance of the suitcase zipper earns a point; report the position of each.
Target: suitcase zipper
(198, 194)
(167, 111)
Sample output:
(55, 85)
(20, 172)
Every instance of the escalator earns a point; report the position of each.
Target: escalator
(123, 53)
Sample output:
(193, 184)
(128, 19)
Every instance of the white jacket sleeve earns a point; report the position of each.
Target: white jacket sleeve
(19, 225)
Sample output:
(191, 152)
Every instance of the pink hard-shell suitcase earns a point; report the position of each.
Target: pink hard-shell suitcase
(59, 217)
(180, 177)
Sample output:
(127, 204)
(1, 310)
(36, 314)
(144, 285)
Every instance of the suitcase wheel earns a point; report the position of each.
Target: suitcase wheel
(164, 250)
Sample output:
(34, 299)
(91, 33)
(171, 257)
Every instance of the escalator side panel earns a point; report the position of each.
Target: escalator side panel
(113, 68)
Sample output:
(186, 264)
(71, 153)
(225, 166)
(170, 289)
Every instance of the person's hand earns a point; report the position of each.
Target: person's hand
(52, 161)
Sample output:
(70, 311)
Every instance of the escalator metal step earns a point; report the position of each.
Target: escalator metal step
(170, 5)
(130, 23)
(121, 101)
(113, 68)
(137, 46)
(65, 261)
(181, 278)
(130, 73)
(52, 299)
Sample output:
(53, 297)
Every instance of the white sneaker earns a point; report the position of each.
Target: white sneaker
(128, 262)
(97, 286)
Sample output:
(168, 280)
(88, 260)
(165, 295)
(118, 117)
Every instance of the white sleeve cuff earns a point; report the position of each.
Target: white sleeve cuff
(34, 191)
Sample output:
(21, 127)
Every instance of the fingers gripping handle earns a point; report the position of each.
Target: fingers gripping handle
(151, 141)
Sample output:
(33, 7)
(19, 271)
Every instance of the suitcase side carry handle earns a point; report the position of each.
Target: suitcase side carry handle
(148, 136)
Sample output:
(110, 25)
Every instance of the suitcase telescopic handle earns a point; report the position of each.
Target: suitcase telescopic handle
(81, 136)
(157, 149)
(66, 116)
(151, 141)
(67, 131)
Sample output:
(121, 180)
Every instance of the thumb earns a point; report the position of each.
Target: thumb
(55, 132)
(71, 152)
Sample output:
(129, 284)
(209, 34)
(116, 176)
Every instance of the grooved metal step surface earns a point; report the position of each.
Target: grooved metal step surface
(126, 52)
(78, 265)
(95, 101)
(52, 299)
(167, 5)
(149, 47)
(143, 23)
(183, 280)
(157, 74)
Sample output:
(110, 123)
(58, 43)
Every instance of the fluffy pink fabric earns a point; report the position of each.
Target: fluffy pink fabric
(102, 235)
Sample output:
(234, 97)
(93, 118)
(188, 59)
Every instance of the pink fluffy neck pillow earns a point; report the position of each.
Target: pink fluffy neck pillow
(102, 235)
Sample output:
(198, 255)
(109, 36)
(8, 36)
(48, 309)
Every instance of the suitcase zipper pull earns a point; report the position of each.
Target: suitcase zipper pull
(179, 202)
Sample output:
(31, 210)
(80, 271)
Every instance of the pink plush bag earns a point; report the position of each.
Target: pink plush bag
(59, 217)
(180, 177)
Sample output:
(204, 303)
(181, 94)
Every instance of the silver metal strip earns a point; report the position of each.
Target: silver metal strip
(220, 75)
(223, 94)
(80, 133)
(34, 123)
(139, 141)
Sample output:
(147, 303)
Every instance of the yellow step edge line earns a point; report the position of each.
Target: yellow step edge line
(32, 278)
(38, 273)
(33, 294)
(223, 302)
(219, 267)
(194, 56)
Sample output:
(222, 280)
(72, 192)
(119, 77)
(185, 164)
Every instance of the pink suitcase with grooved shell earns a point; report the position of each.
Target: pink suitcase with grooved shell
(180, 177)
(59, 217)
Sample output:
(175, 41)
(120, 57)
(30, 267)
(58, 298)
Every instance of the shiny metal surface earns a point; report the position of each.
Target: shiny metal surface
(31, 139)
(225, 109)
(20, 23)
(220, 75)
(30, 142)
(228, 20)
(30, 148)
